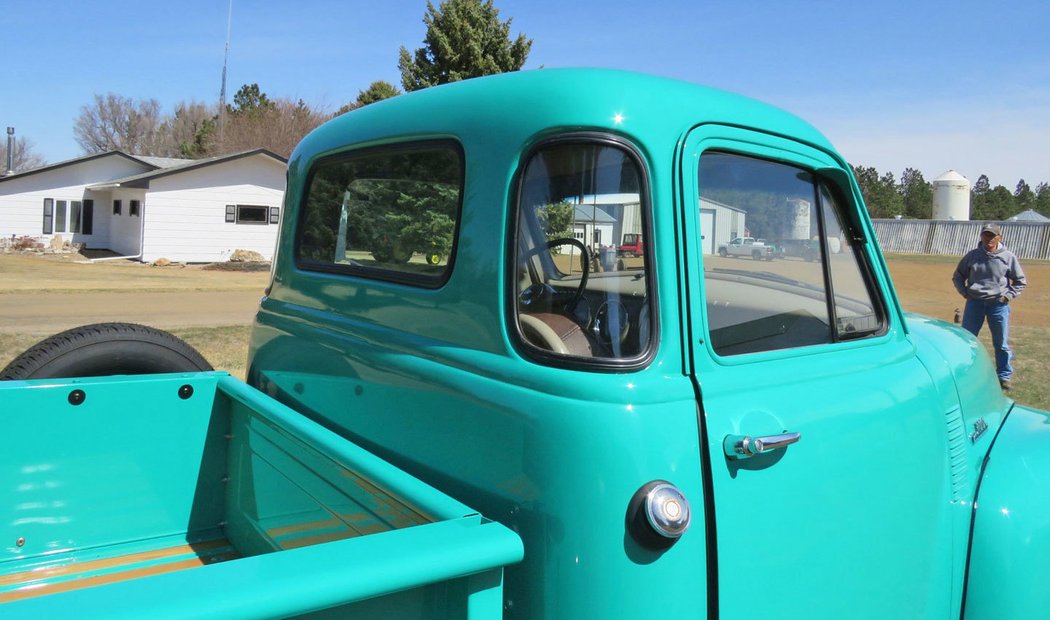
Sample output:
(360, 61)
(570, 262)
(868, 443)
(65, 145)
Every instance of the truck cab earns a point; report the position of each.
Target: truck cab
(680, 433)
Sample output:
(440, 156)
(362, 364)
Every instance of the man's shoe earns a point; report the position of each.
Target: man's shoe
(1004, 384)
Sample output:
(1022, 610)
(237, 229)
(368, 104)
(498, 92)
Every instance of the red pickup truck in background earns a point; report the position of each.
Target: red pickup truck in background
(632, 245)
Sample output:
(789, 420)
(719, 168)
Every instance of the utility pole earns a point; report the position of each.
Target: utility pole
(222, 91)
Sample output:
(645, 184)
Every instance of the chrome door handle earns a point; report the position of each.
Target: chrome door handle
(743, 446)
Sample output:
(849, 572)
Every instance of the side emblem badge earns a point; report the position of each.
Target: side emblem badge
(979, 427)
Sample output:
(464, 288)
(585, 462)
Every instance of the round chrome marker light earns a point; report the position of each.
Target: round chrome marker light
(658, 515)
(667, 510)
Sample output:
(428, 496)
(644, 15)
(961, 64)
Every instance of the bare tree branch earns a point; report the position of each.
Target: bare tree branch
(278, 127)
(113, 122)
(24, 157)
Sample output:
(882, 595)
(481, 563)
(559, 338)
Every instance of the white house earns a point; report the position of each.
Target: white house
(149, 208)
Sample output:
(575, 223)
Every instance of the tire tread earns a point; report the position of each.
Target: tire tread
(37, 356)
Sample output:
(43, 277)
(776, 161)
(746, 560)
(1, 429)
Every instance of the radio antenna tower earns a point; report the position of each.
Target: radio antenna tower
(222, 91)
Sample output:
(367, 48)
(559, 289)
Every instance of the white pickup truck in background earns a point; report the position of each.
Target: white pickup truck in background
(747, 246)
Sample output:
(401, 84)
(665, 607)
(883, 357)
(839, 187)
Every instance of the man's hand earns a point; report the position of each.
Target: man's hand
(1003, 299)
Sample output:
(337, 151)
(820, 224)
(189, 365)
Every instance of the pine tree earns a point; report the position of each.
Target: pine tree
(464, 39)
(916, 194)
(1042, 198)
(1024, 197)
(376, 91)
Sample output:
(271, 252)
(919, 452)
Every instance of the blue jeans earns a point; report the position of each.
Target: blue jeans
(998, 315)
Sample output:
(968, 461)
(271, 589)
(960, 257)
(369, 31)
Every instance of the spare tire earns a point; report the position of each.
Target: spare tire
(105, 349)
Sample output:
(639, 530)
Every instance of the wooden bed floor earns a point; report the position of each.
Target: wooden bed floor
(73, 575)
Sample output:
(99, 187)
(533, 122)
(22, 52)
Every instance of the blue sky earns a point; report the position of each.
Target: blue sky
(932, 85)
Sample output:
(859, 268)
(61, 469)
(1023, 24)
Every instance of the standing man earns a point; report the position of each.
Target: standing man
(990, 277)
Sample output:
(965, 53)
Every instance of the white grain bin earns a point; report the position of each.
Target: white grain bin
(798, 219)
(951, 197)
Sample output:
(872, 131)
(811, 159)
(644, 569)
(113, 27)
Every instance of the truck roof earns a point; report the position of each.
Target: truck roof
(518, 105)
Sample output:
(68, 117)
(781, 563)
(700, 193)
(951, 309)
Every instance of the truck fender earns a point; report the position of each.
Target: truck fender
(1010, 540)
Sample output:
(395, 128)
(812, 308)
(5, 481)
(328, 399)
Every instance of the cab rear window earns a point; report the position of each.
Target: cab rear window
(387, 214)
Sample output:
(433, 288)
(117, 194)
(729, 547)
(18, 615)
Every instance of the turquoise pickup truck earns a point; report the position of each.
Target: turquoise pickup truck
(673, 434)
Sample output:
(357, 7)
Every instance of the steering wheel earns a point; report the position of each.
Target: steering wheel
(545, 293)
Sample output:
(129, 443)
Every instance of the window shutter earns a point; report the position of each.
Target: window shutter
(49, 215)
(87, 217)
(231, 214)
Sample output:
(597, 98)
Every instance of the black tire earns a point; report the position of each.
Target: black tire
(105, 349)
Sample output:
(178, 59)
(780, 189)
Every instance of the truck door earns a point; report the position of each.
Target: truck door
(828, 451)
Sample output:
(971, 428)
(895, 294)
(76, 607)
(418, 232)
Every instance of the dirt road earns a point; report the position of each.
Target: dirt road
(48, 313)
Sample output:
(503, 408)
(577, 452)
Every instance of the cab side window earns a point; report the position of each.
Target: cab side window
(802, 280)
(583, 288)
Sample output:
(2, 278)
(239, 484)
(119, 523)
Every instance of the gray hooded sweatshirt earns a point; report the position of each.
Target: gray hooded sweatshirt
(986, 276)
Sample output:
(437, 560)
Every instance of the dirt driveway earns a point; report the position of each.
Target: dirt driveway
(45, 295)
(48, 313)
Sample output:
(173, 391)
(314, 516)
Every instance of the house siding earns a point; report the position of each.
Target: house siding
(22, 199)
(185, 214)
(125, 230)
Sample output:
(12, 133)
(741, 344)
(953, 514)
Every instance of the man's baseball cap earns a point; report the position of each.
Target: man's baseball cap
(992, 228)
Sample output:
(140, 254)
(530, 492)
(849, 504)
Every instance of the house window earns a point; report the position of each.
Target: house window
(73, 216)
(133, 207)
(275, 215)
(81, 216)
(116, 207)
(60, 216)
(252, 214)
(75, 207)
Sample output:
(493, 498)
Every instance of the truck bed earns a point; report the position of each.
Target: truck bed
(183, 495)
